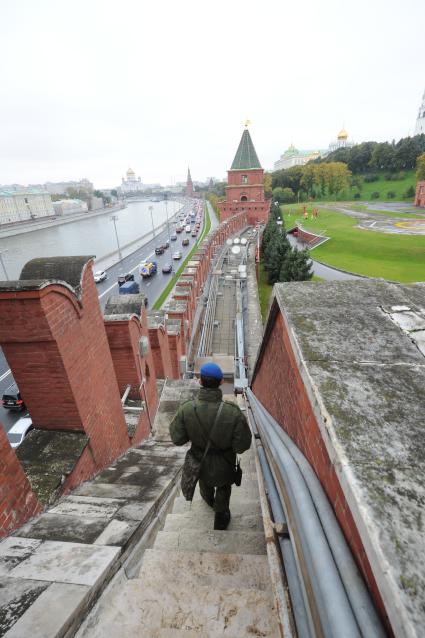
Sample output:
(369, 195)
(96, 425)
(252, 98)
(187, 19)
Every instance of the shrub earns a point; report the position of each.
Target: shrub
(371, 177)
(357, 195)
(375, 195)
(395, 177)
(391, 194)
(410, 192)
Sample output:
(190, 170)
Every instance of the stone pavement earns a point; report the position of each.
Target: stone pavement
(53, 567)
(195, 581)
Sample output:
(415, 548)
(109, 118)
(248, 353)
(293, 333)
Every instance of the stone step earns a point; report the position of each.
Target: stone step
(204, 520)
(238, 505)
(207, 569)
(248, 491)
(221, 542)
(165, 610)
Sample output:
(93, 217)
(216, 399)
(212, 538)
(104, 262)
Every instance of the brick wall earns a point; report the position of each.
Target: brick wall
(420, 194)
(278, 385)
(18, 502)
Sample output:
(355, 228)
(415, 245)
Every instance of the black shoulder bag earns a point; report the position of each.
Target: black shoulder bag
(192, 467)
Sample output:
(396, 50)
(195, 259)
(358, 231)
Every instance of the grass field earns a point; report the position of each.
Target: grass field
(395, 257)
(164, 295)
(383, 186)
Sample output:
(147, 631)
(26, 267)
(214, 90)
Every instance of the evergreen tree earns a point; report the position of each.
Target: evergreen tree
(277, 252)
(297, 266)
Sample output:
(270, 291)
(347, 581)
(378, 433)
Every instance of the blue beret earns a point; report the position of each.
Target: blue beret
(211, 370)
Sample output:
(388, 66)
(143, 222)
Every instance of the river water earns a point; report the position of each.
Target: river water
(92, 236)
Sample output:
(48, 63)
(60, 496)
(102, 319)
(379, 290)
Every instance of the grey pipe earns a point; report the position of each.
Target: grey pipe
(362, 605)
(302, 619)
(333, 605)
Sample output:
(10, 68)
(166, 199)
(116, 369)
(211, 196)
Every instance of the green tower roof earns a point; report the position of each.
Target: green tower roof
(245, 157)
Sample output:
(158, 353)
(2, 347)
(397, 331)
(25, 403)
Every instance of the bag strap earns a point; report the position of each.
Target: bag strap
(212, 429)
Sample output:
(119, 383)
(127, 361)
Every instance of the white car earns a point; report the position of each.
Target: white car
(18, 432)
(99, 276)
(177, 254)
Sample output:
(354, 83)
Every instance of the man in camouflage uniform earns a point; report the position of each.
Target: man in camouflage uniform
(194, 421)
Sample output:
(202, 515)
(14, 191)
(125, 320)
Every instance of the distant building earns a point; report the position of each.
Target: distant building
(294, 157)
(70, 207)
(340, 142)
(20, 206)
(60, 188)
(132, 184)
(189, 184)
(420, 122)
(420, 194)
(96, 203)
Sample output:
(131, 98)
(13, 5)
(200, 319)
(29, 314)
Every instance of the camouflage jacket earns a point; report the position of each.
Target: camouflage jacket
(231, 434)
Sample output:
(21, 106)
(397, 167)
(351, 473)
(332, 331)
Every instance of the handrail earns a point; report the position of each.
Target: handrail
(334, 594)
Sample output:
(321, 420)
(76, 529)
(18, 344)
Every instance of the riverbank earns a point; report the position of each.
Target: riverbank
(47, 222)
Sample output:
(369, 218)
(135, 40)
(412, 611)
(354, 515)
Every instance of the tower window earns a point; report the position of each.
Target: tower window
(244, 198)
(244, 179)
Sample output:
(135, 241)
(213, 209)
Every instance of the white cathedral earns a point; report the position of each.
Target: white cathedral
(420, 122)
(132, 184)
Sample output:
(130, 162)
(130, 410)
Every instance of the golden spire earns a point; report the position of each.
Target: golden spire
(247, 123)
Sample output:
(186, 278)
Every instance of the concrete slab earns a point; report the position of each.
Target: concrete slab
(85, 510)
(237, 506)
(117, 532)
(63, 603)
(16, 596)
(208, 569)
(110, 490)
(134, 511)
(73, 563)
(14, 550)
(212, 541)
(69, 529)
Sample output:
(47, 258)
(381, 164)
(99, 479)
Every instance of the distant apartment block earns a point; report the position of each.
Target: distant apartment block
(20, 206)
(70, 207)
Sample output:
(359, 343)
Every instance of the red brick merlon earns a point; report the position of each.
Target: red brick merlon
(54, 339)
(342, 368)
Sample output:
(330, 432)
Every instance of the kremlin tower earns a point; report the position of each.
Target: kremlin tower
(189, 185)
(420, 122)
(245, 187)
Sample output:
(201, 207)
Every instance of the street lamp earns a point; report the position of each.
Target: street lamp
(114, 219)
(153, 225)
(2, 263)
(166, 212)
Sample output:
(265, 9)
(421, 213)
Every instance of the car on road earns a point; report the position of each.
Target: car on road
(159, 250)
(179, 229)
(19, 430)
(194, 233)
(185, 242)
(147, 269)
(167, 268)
(123, 278)
(12, 400)
(177, 254)
(166, 244)
(100, 275)
(188, 228)
(173, 237)
(129, 288)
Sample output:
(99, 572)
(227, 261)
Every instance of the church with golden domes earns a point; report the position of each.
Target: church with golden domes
(340, 142)
(132, 184)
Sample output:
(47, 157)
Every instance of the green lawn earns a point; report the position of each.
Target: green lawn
(383, 186)
(395, 257)
(264, 292)
(164, 295)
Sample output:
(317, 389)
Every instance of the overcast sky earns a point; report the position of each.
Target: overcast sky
(89, 88)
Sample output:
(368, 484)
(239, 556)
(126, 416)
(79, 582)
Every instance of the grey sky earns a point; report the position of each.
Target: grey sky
(91, 87)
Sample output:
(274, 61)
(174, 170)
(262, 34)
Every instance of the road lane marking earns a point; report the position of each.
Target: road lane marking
(4, 375)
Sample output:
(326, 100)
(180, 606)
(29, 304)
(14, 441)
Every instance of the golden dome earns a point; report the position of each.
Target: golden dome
(342, 135)
(130, 172)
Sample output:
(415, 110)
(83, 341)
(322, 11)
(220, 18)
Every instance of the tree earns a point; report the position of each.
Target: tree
(267, 181)
(297, 266)
(383, 157)
(284, 195)
(420, 167)
(277, 250)
(114, 192)
(308, 178)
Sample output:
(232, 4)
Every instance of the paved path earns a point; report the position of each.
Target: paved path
(378, 222)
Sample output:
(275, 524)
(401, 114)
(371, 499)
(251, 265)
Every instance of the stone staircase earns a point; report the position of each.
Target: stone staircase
(195, 581)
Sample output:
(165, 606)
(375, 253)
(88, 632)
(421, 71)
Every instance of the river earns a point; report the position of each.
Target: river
(92, 236)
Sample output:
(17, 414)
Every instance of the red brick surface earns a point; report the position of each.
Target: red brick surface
(278, 385)
(420, 194)
(18, 502)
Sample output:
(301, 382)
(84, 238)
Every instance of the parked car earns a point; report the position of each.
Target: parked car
(159, 250)
(167, 268)
(177, 254)
(19, 430)
(129, 288)
(173, 237)
(123, 278)
(185, 242)
(12, 399)
(100, 275)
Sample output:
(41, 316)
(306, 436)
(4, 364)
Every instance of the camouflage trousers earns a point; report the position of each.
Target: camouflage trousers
(220, 495)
